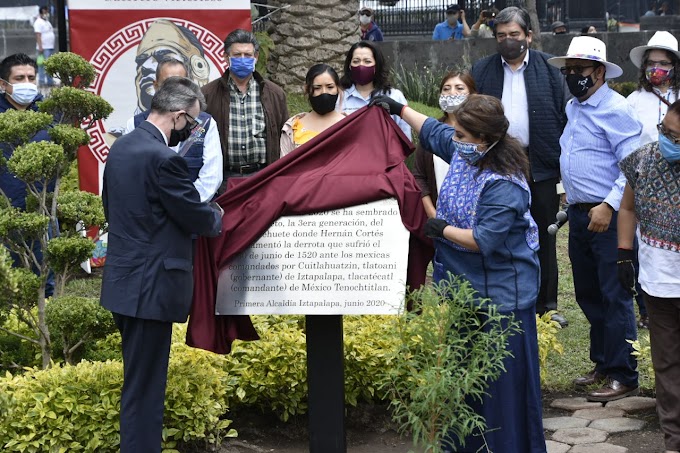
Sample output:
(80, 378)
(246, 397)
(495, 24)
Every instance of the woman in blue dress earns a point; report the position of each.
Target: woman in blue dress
(483, 231)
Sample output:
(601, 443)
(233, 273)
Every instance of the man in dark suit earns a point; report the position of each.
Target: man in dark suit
(152, 209)
(534, 96)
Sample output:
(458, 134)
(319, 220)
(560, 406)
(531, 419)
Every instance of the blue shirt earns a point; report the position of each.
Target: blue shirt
(444, 31)
(372, 34)
(506, 268)
(600, 132)
(353, 101)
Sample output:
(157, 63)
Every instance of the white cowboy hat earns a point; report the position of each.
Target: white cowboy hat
(662, 40)
(588, 48)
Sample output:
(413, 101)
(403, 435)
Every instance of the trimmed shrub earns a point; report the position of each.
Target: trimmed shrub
(76, 408)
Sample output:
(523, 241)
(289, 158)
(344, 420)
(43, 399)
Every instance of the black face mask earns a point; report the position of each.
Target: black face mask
(177, 136)
(512, 49)
(579, 84)
(323, 103)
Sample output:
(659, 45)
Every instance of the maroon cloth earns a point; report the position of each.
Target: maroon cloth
(358, 160)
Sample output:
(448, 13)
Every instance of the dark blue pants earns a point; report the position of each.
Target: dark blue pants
(606, 305)
(146, 352)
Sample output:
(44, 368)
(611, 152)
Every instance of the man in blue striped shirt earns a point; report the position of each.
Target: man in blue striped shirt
(601, 130)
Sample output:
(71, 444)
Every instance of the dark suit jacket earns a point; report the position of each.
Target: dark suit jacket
(152, 209)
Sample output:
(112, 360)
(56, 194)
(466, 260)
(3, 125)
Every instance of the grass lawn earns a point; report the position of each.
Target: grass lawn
(562, 369)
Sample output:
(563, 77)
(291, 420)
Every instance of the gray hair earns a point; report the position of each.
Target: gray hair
(177, 93)
(169, 61)
(240, 36)
(511, 14)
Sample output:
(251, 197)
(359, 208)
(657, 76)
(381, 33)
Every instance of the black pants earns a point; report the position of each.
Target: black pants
(544, 206)
(146, 352)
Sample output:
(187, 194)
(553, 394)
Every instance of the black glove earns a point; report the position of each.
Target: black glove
(388, 104)
(626, 270)
(434, 228)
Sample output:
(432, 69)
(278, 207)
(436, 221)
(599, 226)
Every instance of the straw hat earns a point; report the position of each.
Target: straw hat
(662, 40)
(588, 48)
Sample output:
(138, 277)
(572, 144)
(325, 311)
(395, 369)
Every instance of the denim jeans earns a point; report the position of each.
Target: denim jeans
(44, 79)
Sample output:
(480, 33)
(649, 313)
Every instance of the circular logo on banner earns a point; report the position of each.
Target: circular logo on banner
(126, 69)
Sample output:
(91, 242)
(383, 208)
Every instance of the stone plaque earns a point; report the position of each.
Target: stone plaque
(347, 261)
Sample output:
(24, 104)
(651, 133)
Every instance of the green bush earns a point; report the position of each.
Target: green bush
(447, 352)
(547, 340)
(76, 321)
(418, 85)
(271, 374)
(368, 350)
(76, 408)
(623, 88)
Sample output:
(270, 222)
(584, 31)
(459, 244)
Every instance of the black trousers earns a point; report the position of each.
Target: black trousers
(544, 206)
(146, 352)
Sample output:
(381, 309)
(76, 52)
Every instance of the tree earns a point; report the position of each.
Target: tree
(530, 6)
(309, 32)
(49, 218)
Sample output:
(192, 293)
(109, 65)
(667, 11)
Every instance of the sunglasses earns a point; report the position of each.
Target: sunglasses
(574, 69)
(193, 123)
(663, 131)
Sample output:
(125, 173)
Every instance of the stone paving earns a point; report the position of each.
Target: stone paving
(590, 424)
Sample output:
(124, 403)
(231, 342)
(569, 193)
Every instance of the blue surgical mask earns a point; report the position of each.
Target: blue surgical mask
(669, 150)
(470, 152)
(242, 67)
(24, 93)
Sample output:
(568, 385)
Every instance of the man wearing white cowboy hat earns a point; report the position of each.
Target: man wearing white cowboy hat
(659, 82)
(601, 130)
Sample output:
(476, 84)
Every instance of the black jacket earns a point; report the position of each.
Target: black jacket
(547, 98)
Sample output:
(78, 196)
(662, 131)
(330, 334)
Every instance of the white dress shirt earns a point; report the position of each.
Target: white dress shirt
(515, 103)
(650, 111)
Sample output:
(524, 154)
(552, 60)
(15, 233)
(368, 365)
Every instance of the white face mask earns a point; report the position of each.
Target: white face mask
(364, 20)
(450, 102)
(24, 93)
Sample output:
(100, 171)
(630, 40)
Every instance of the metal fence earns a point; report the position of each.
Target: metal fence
(419, 17)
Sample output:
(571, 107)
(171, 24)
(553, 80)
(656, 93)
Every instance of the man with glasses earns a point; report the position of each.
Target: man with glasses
(152, 210)
(534, 97)
(602, 129)
(199, 146)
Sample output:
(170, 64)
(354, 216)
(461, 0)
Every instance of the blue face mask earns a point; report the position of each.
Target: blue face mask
(242, 67)
(669, 150)
(470, 152)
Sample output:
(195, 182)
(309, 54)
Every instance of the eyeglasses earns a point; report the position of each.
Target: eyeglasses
(654, 64)
(662, 130)
(194, 122)
(574, 69)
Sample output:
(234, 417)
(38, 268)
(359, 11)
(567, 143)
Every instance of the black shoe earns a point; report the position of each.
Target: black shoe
(594, 377)
(561, 320)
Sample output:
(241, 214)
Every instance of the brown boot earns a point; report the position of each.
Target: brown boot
(594, 377)
(613, 390)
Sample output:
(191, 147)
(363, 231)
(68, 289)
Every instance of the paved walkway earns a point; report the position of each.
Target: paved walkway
(587, 429)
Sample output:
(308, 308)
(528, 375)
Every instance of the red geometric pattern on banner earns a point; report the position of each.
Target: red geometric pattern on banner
(121, 42)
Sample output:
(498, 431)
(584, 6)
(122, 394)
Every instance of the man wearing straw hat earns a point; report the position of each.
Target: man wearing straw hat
(601, 130)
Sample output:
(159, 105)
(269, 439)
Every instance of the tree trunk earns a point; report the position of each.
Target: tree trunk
(44, 333)
(310, 32)
(530, 6)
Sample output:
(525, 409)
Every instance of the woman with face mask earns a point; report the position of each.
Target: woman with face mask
(484, 232)
(365, 75)
(658, 82)
(650, 210)
(429, 169)
(322, 87)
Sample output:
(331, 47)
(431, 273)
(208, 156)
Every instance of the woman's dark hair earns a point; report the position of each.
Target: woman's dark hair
(674, 109)
(381, 81)
(482, 116)
(317, 70)
(675, 80)
(464, 76)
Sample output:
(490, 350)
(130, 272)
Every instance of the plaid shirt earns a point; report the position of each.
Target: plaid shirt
(247, 138)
